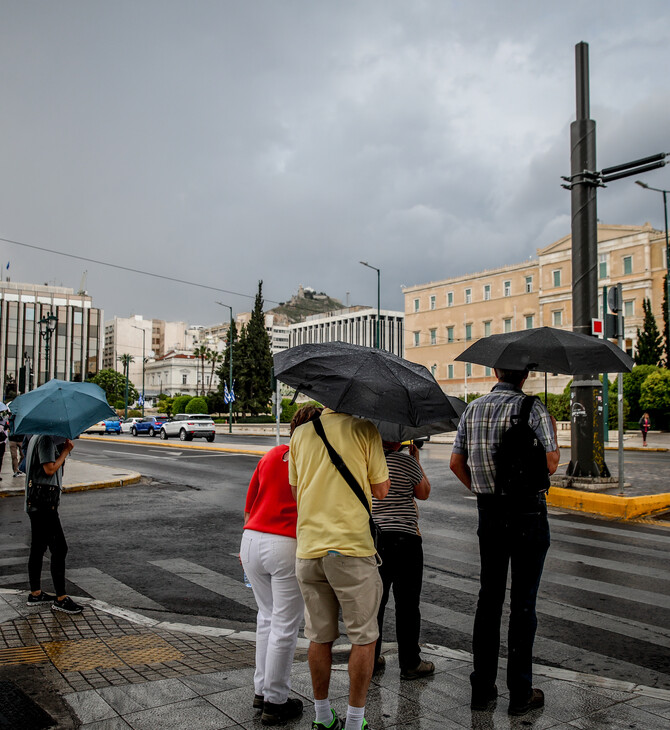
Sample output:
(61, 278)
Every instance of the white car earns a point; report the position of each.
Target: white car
(189, 426)
(128, 423)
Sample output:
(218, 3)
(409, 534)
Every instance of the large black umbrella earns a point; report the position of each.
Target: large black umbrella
(365, 382)
(549, 350)
(400, 432)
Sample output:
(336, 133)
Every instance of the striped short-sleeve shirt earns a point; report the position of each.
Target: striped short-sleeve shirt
(398, 511)
(482, 426)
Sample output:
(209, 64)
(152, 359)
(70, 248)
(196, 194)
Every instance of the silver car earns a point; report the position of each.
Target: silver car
(189, 426)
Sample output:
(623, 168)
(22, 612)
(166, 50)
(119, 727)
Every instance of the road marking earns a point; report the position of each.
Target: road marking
(106, 588)
(220, 584)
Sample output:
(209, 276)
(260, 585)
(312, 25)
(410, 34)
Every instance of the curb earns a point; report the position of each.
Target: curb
(608, 505)
(180, 445)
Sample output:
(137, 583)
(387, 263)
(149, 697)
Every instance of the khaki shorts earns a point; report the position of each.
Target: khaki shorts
(340, 581)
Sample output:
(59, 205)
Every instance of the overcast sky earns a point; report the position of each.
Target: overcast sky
(225, 142)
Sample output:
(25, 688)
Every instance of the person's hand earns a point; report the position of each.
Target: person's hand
(68, 446)
(414, 451)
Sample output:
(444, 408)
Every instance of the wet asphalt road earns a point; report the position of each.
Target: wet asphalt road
(170, 545)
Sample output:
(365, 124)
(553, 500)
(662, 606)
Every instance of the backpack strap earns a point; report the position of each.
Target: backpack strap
(526, 408)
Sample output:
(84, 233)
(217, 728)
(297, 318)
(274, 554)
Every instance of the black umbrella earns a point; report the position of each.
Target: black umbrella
(399, 432)
(549, 350)
(365, 382)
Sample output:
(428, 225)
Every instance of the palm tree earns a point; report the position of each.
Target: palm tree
(201, 353)
(214, 358)
(126, 360)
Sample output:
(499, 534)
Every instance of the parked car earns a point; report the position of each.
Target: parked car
(189, 426)
(127, 424)
(148, 424)
(109, 425)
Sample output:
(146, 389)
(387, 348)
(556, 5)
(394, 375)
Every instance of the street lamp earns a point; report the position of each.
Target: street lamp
(47, 327)
(230, 362)
(377, 339)
(141, 329)
(667, 247)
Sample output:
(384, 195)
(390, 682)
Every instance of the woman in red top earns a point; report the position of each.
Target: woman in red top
(268, 556)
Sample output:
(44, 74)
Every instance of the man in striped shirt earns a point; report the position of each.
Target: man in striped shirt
(401, 552)
(512, 530)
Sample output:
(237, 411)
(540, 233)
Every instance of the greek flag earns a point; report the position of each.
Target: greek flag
(228, 395)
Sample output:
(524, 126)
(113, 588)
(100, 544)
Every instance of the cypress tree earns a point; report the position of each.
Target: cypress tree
(649, 350)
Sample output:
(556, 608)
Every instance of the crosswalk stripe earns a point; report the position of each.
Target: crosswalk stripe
(209, 579)
(21, 559)
(106, 588)
(657, 537)
(8, 580)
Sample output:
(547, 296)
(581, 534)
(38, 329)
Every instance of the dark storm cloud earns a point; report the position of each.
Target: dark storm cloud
(227, 142)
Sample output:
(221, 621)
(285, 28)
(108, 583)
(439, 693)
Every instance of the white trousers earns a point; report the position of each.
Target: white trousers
(269, 562)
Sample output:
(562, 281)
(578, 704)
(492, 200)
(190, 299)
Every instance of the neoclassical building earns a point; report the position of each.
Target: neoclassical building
(443, 318)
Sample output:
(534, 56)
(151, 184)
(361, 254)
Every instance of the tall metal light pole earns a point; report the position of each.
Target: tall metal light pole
(230, 362)
(143, 360)
(378, 343)
(667, 246)
(47, 327)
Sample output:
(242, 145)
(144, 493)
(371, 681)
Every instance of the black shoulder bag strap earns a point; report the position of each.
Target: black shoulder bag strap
(349, 478)
(526, 408)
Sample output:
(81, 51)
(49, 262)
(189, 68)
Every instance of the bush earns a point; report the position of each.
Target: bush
(558, 405)
(196, 405)
(632, 387)
(655, 395)
(256, 419)
(180, 402)
(288, 410)
(120, 405)
(135, 413)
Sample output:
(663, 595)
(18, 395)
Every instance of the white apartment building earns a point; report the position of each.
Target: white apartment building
(356, 325)
(179, 372)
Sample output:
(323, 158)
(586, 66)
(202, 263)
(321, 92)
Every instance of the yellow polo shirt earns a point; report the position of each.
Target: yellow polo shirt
(330, 515)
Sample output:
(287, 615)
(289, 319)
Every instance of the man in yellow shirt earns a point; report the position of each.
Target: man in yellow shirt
(336, 562)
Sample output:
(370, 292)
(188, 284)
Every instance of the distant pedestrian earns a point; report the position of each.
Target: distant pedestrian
(268, 556)
(15, 452)
(645, 426)
(401, 552)
(44, 483)
(4, 435)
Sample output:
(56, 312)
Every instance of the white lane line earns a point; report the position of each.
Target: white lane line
(106, 588)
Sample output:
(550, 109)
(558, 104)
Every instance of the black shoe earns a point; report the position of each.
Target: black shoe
(274, 714)
(484, 700)
(422, 669)
(42, 598)
(335, 723)
(534, 702)
(380, 665)
(67, 605)
(258, 702)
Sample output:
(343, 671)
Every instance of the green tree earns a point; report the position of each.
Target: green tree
(558, 405)
(214, 359)
(613, 403)
(666, 322)
(253, 387)
(114, 384)
(649, 350)
(180, 402)
(655, 393)
(232, 345)
(196, 405)
(200, 352)
(632, 387)
(216, 404)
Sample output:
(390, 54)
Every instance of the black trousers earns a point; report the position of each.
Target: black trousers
(46, 532)
(402, 570)
(511, 533)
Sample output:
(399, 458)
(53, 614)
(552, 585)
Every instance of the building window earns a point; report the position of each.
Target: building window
(507, 288)
(557, 318)
(468, 369)
(416, 339)
(450, 334)
(433, 370)
(450, 371)
(629, 308)
(183, 379)
(487, 292)
(432, 301)
(529, 284)
(507, 325)
(487, 328)
(450, 299)
(487, 371)
(416, 305)
(433, 337)
(468, 332)
(557, 277)
(468, 296)
(627, 265)
(529, 322)
(602, 267)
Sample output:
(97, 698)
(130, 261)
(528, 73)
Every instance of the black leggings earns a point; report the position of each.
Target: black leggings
(46, 532)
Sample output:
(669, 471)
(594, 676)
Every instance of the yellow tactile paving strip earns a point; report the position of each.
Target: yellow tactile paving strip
(22, 655)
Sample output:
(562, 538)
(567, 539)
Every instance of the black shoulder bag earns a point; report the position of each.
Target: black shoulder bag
(349, 478)
(39, 496)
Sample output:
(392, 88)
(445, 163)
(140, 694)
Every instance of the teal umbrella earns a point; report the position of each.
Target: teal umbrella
(59, 408)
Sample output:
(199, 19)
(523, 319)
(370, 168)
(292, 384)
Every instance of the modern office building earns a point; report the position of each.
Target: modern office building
(38, 321)
(356, 325)
(444, 317)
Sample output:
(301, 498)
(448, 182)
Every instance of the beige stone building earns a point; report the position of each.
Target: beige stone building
(443, 318)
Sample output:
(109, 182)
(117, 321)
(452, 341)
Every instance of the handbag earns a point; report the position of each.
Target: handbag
(349, 478)
(42, 496)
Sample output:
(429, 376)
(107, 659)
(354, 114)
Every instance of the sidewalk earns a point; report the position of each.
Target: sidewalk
(110, 669)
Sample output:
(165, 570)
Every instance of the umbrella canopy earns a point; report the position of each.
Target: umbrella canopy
(549, 350)
(363, 381)
(59, 408)
(399, 432)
